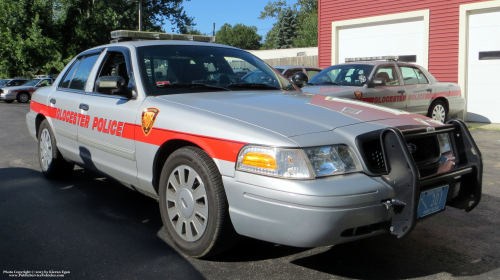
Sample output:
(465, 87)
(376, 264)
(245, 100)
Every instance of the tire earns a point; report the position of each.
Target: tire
(23, 97)
(199, 202)
(52, 163)
(438, 112)
(8, 101)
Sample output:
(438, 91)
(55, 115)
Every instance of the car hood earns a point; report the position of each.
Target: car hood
(18, 88)
(293, 113)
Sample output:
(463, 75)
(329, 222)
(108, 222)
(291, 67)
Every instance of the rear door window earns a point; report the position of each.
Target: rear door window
(69, 75)
(389, 74)
(82, 73)
(421, 77)
(409, 76)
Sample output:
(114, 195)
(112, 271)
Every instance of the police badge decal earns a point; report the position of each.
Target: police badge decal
(148, 119)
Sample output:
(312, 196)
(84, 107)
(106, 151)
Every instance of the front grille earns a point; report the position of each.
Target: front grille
(374, 157)
(427, 151)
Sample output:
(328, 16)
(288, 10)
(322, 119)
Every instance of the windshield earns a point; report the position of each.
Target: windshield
(3, 82)
(32, 82)
(178, 69)
(344, 75)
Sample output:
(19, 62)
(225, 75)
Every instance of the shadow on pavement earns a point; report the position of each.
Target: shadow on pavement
(87, 224)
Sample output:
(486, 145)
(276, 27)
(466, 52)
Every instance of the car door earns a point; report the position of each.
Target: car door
(108, 142)
(417, 88)
(66, 98)
(392, 94)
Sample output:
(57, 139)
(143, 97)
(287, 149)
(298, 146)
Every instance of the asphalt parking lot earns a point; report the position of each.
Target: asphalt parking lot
(93, 227)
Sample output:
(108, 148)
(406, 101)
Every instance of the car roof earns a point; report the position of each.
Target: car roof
(378, 62)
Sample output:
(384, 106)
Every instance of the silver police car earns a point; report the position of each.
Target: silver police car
(223, 157)
(22, 93)
(392, 84)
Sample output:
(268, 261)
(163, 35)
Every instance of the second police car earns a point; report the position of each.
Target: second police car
(388, 82)
(225, 158)
(22, 93)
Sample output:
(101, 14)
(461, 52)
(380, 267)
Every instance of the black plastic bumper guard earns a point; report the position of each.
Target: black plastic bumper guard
(403, 174)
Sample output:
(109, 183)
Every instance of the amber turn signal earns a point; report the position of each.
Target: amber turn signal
(261, 160)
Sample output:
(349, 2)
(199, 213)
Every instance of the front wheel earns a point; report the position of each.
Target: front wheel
(53, 165)
(437, 111)
(23, 97)
(193, 204)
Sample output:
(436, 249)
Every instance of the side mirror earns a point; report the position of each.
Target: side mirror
(300, 79)
(376, 82)
(113, 85)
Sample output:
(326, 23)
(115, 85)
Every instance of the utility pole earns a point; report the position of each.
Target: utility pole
(140, 15)
(214, 29)
(140, 12)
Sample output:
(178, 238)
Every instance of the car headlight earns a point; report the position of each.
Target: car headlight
(444, 143)
(298, 163)
(333, 160)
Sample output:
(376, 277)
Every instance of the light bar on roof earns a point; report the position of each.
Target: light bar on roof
(141, 35)
(372, 58)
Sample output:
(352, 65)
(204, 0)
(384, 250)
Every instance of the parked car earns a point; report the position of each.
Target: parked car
(225, 157)
(392, 84)
(12, 82)
(23, 93)
(289, 70)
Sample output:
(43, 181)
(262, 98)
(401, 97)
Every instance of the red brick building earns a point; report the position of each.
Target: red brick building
(456, 40)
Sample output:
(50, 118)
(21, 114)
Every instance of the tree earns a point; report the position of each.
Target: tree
(306, 21)
(240, 36)
(41, 36)
(286, 28)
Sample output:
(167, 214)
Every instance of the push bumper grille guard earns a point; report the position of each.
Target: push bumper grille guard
(403, 174)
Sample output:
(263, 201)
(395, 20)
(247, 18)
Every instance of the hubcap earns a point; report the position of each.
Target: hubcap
(187, 204)
(45, 149)
(23, 97)
(439, 113)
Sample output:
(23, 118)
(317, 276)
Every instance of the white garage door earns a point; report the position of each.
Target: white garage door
(483, 91)
(391, 38)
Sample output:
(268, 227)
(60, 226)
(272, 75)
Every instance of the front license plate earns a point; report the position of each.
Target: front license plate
(432, 201)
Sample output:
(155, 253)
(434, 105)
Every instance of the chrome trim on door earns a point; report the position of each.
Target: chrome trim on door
(106, 147)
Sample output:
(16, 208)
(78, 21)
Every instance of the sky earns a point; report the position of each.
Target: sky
(208, 12)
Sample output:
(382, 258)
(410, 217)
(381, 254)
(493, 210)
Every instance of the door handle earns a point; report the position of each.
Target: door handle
(84, 107)
(429, 89)
(53, 100)
(401, 91)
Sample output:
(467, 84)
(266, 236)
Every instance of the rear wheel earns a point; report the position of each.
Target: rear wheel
(437, 111)
(193, 204)
(52, 163)
(23, 97)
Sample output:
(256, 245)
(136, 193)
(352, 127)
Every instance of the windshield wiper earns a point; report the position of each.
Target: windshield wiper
(331, 83)
(191, 85)
(311, 84)
(251, 85)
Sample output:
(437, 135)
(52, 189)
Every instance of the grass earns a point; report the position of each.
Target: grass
(484, 128)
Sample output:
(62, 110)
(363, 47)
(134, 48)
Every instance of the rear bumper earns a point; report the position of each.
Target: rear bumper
(31, 123)
(456, 105)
